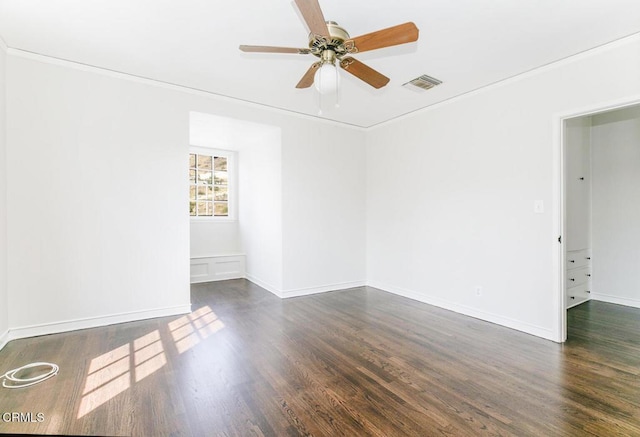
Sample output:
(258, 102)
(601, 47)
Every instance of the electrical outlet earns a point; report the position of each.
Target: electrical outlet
(478, 290)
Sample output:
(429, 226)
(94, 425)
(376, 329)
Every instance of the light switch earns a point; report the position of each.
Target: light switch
(538, 206)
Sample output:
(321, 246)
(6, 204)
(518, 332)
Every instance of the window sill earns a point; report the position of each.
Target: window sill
(212, 219)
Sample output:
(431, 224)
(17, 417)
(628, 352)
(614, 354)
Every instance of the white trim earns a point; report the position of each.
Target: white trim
(322, 289)
(635, 303)
(3, 44)
(218, 255)
(216, 268)
(173, 87)
(205, 150)
(4, 339)
(212, 219)
(260, 283)
(559, 228)
(94, 322)
(599, 108)
(518, 325)
(559, 201)
(297, 292)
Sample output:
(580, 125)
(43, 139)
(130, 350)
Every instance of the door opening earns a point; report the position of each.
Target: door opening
(600, 201)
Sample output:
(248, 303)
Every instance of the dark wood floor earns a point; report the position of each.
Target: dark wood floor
(350, 363)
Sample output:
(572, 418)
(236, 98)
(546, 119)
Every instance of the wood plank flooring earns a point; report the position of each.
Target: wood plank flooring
(357, 362)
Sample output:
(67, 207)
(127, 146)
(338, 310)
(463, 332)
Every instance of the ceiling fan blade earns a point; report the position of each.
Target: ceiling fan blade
(310, 10)
(270, 49)
(364, 72)
(391, 36)
(307, 79)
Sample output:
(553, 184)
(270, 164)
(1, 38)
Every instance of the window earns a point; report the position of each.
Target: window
(209, 183)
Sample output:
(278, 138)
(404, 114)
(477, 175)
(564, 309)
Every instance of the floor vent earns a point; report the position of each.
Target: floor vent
(424, 82)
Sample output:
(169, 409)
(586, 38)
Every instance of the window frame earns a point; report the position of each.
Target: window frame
(232, 182)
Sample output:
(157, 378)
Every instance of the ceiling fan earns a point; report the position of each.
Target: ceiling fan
(332, 44)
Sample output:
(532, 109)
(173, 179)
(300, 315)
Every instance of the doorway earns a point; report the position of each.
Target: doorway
(601, 204)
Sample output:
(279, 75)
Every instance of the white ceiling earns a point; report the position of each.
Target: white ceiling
(467, 44)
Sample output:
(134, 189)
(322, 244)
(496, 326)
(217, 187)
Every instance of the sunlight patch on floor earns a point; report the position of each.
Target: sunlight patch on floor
(149, 355)
(94, 399)
(189, 330)
(119, 369)
(110, 374)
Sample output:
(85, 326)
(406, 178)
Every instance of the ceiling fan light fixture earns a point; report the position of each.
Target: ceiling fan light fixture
(326, 79)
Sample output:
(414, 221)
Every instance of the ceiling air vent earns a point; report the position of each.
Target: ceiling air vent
(424, 82)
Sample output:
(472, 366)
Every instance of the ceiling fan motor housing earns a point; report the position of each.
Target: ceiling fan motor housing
(338, 35)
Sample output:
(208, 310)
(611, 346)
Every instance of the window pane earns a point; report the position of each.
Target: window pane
(220, 163)
(209, 193)
(221, 178)
(202, 192)
(221, 192)
(208, 185)
(204, 162)
(221, 209)
(204, 177)
(204, 209)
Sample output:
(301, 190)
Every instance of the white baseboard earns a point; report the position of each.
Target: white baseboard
(527, 328)
(263, 284)
(93, 322)
(322, 289)
(4, 339)
(635, 303)
(297, 292)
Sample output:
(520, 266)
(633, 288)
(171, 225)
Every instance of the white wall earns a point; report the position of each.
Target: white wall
(324, 209)
(260, 207)
(451, 191)
(4, 295)
(616, 206)
(214, 238)
(578, 191)
(96, 189)
(107, 236)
